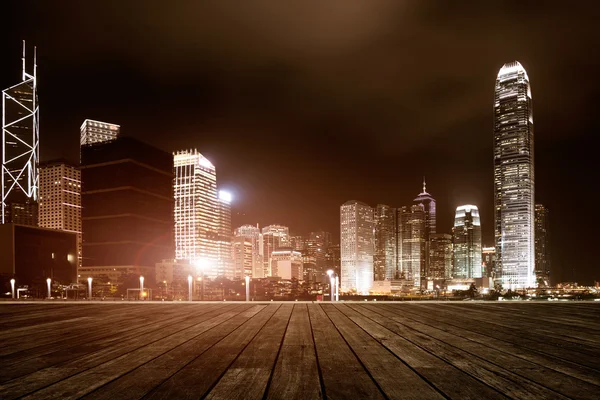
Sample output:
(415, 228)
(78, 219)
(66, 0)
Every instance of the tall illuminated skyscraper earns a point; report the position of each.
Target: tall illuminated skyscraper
(20, 149)
(197, 211)
(413, 233)
(440, 256)
(384, 259)
(225, 259)
(428, 203)
(467, 243)
(96, 132)
(542, 245)
(273, 237)
(252, 234)
(514, 178)
(356, 248)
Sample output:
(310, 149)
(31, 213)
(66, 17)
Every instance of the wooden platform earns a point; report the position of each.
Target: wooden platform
(300, 351)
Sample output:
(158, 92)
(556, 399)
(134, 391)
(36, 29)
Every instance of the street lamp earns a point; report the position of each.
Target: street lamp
(141, 288)
(331, 282)
(49, 281)
(190, 287)
(90, 287)
(337, 288)
(12, 288)
(247, 287)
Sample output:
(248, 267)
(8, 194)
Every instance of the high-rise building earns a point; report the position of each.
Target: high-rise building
(127, 207)
(298, 243)
(225, 261)
(428, 203)
(514, 178)
(20, 150)
(467, 243)
(97, 132)
(242, 257)
(488, 262)
(332, 260)
(287, 264)
(197, 212)
(60, 199)
(542, 245)
(356, 247)
(413, 229)
(274, 237)
(440, 256)
(384, 258)
(316, 246)
(252, 234)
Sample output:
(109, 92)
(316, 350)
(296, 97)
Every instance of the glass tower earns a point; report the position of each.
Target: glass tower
(467, 243)
(428, 203)
(412, 231)
(542, 245)
(356, 247)
(514, 178)
(384, 259)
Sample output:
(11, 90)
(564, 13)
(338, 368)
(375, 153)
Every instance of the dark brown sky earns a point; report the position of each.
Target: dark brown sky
(303, 105)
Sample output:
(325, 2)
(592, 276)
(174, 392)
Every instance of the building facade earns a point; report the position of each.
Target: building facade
(467, 243)
(514, 178)
(287, 264)
(127, 207)
(97, 132)
(429, 207)
(242, 257)
(440, 256)
(252, 234)
(542, 245)
(384, 258)
(488, 262)
(356, 247)
(273, 237)
(60, 199)
(413, 232)
(225, 260)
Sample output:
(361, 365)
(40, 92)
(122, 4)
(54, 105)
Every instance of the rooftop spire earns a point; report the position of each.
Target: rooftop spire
(424, 185)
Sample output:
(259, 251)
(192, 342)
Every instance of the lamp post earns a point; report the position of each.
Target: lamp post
(12, 288)
(337, 288)
(49, 282)
(247, 287)
(331, 282)
(90, 287)
(190, 287)
(141, 288)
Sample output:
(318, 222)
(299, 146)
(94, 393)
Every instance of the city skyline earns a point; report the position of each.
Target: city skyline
(399, 151)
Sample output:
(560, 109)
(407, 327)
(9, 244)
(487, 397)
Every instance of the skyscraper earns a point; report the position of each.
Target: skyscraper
(127, 207)
(428, 203)
(197, 211)
(273, 237)
(514, 178)
(542, 245)
(384, 258)
(467, 243)
(356, 246)
(488, 262)
(440, 256)
(60, 199)
(242, 257)
(252, 234)
(413, 229)
(225, 261)
(20, 149)
(316, 247)
(96, 132)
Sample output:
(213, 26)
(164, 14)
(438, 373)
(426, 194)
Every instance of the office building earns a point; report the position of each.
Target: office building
(542, 245)
(467, 243)
(60, 199)
(242, 257)
(488, 262)
(384, 258)
(440, 256)
(127, 207)
(273, 237)
(225, 261)
(316, 245)
(197, 212)
(514, 178)
(286, 264)
(20, 150)
(356, 247)
(413, 228)
(252, 234)
(97, 132)
(429, 207)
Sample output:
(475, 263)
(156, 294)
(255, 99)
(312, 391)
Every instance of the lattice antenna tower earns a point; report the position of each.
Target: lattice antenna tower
(20, 139)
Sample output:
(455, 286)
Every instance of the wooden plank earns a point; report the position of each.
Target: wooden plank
(100, 354)
(198, 377)
(140, 381)
(248, 376)
(344, 377)
(385, 368)
(504, 381)
(449, 380)
(296, 375)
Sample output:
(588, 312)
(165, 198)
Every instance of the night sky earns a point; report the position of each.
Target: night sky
(303, 105)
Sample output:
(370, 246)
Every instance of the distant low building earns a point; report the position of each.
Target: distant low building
(287, 264)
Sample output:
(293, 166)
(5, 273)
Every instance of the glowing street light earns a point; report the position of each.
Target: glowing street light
(247, 287)
(12, 288)
(190, 279)
(49, 282)
(331, 282)
(337, 288)
(141, 288)
(90, 287)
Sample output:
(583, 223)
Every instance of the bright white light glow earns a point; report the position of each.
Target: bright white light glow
(225, 196)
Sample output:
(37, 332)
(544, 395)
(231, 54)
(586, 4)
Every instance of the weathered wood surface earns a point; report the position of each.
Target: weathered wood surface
(345, 350)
